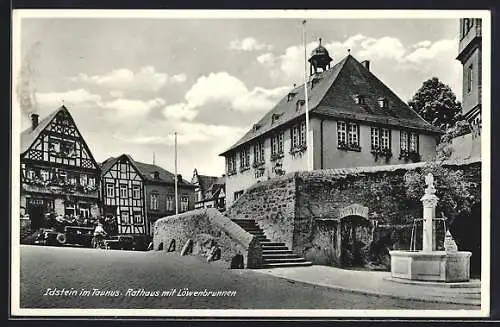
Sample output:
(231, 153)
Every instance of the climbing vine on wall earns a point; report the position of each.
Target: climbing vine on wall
(452, 189)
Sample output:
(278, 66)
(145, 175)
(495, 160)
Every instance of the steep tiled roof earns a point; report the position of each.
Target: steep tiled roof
(145, 170)
(333, 95)
(210, 186)
(29, 135)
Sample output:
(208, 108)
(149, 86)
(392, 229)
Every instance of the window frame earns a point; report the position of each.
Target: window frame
(121, 188)
(184, 203)
(134, 189)
(154, 205)
(138, 221)
(122, 218)
(110, 187)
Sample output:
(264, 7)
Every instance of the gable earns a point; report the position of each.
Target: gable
(122, 168)
(57, 140)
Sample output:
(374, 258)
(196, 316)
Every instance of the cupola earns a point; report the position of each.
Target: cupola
(320, 58)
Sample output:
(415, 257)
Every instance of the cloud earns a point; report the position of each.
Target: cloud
(146, 79)
(225, 90)
(179, 111)
(248, 44)
(187, 133)
(128, 107)
(429, 51)
(71, 98)
(425, 43)
(382, 48)
(266, 58)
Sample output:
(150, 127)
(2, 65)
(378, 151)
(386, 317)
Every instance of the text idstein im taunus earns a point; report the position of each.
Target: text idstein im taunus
(140, 292)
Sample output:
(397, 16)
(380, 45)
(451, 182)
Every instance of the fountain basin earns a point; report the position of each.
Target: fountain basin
(434, 266)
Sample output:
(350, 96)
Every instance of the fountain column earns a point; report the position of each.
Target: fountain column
(429, 201)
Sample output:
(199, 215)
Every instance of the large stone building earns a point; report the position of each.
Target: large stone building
(58, 172)
(355, 120)
(470, 55)
(137, 194)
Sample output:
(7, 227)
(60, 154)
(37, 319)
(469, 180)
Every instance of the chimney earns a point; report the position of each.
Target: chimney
(34, 121)
(366, 63)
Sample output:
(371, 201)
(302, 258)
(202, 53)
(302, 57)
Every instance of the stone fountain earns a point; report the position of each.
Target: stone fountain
(428, 264)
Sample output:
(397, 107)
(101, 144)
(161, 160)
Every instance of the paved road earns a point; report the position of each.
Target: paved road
(118, 271)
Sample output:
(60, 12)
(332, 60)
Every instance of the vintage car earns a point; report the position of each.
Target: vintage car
(76, 235)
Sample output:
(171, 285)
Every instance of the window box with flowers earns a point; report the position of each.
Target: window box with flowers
(381, 152)
(258, 164)
(301, 148)
(276, 156)
(407, 155)
(348, 147)
(231, 172)
(245, 168)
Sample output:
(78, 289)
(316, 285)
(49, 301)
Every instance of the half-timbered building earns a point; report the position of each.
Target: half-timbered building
(136, 194)
(209, 191)
(58, 172)
(123, 195)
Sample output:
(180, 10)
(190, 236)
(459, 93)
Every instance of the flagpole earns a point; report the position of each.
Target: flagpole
(175, 178)
(308, 144)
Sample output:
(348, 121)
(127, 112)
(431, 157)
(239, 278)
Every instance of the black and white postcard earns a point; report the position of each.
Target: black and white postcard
(294, 163)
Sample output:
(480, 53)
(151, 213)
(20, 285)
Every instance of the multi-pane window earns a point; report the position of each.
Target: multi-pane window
(375, 140)
(91, 181)
(184, 203)
(136, 192)
(123, 191)
(110, 190)
(277, 143)
(231, 163)
(342, 132)
(409, 141)
(413, 142)
(385, 138)
(352, 136)
(138, 218)
(45, 175)
(62, 175)
(404, 141)
(125, 218)
(83, 179)
(298, 135)
(258, 153)
(170, 203)
(154, 201)
(381, 138)
(348, 135)
(245, 158)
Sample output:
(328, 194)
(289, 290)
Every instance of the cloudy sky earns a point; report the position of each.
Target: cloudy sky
(130, 83)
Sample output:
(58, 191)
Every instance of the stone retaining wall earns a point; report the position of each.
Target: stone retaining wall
(203, 225)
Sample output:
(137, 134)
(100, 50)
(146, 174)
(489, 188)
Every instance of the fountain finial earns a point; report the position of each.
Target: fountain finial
(429, 181)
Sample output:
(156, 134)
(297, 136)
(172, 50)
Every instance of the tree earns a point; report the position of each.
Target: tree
(436, 103)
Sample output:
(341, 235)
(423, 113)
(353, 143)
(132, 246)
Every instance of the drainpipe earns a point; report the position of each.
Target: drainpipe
(321, 142)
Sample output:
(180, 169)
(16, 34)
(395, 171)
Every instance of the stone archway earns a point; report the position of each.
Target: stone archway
(353, 235)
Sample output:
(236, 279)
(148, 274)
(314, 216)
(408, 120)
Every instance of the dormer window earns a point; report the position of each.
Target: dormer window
(300, 104)
(383, 103)
(291, 95)
(155, 175)
(359, 99)
(256, 127)
(275, 117)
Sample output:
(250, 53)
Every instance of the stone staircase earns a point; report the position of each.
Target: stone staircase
(274, 254)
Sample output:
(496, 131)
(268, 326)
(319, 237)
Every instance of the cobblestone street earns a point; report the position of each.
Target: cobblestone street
(118, 271)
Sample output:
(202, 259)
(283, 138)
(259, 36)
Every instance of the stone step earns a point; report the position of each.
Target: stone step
(291, 255)
(260, 231)
(272, 252)
(274, 247)
(287, 264)
(284, 260)
(244, 221)
(272, 244)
